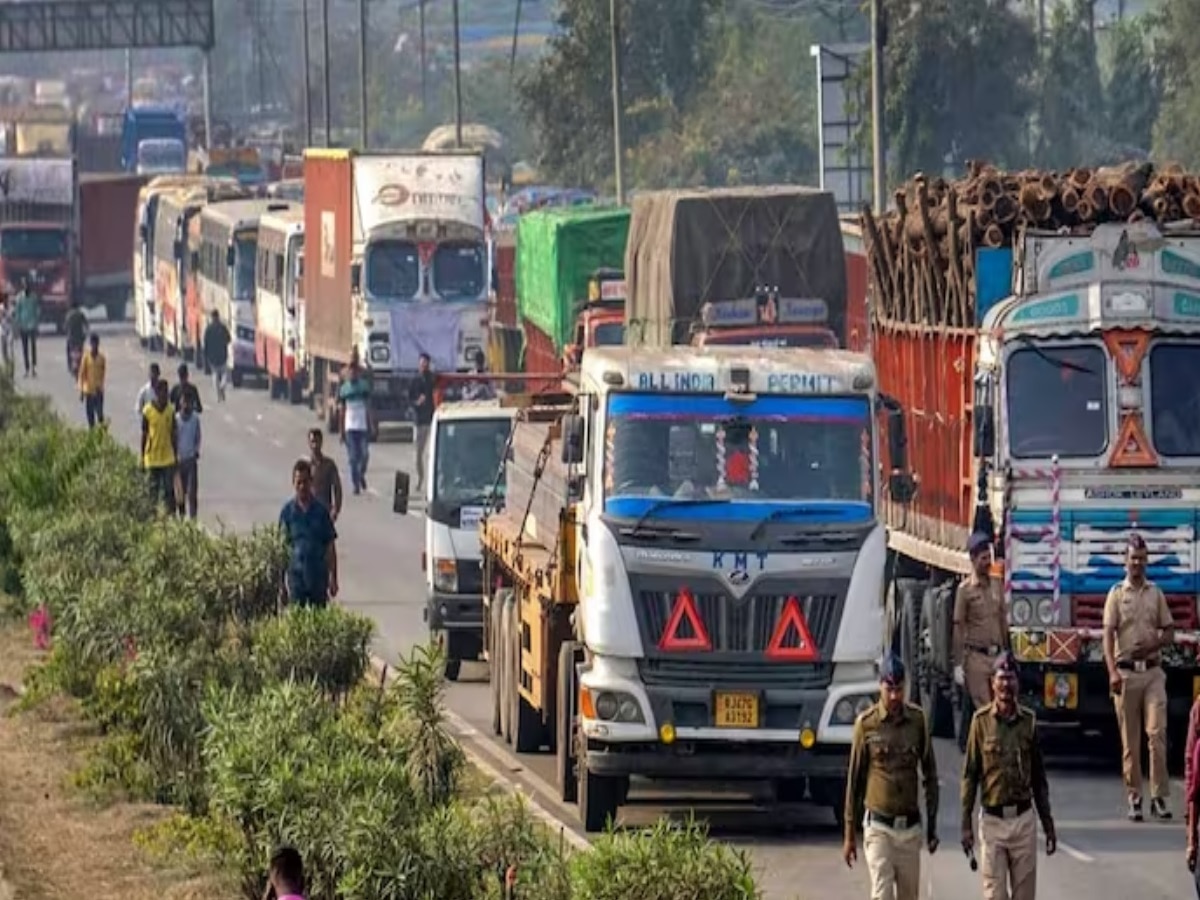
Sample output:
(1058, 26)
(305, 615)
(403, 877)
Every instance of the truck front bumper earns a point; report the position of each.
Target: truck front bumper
(718, 760)
(454, 612)
(1089, 706)
(389, 396)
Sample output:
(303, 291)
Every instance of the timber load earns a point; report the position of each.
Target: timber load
(922, 255)
(535, 477)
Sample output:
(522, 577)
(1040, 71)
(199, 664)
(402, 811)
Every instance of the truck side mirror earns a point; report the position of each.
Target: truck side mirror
(572, 439)
(279, 268)
(230, 256)
(142, 231)
(356, 278)
(178, 249)
(985, 432)
(575, 487)
(897, 438)
(400, 494)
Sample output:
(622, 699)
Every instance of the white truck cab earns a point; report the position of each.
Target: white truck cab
(468, 441)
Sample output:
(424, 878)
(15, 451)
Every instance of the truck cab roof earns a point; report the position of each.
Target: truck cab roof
(464, 410)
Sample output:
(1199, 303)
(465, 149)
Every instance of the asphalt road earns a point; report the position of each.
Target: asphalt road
(250, 443)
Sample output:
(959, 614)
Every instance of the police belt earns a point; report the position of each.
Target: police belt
(898, 822)
(986, 649)
(1137, 665)
(1009, 812)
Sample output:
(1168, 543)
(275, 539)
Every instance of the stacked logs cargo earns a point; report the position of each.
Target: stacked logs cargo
(922, 254)
(536, 444)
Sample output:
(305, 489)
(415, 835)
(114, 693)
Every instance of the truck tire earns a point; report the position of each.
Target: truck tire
(599, 799)
(564, 725)
(495, 662)
(114, 310)
(528, 733)
(236, 377)
(910, 624)
(939, 709)
(505, 667)
(331, 417)
(295, 392)
(452, 668)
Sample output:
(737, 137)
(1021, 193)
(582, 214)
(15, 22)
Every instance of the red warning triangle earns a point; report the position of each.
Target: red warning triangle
(675, 636)
(792, 641)
(1132, 450)
(1128, 349)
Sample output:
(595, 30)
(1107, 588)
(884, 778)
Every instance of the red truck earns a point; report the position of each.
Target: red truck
(38, 227)
(107, 203)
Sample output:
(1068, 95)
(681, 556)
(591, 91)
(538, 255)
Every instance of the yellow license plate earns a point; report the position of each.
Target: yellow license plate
(736, 710)
(1195, 687)
(1062, 690)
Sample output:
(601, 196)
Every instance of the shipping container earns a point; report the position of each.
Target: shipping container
(328, 226)
(107, 210)
(691, 247)
(557, 252)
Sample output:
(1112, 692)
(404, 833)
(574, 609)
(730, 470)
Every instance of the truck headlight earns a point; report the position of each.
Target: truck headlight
(1021, 612)
(445, 576)
(850, 708)
(380, 353)
(617, 706)
(243, 333)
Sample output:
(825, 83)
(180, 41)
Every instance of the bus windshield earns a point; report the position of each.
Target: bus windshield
(33, 243)
(773, 451)
(245, 251)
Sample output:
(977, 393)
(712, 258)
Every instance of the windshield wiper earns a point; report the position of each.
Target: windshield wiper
(784, 512)
(658, 506)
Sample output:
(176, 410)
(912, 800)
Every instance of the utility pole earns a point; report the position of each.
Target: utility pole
(615, 40)
(325, 73)
(457, 83)
(308, 122)
(878, 134)
(206, 80)
(362, 72)
(1041, 20)
(260, 53)
(129, 78)
(424, 71)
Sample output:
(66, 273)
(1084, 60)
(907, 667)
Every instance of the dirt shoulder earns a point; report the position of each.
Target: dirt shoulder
(54, 841)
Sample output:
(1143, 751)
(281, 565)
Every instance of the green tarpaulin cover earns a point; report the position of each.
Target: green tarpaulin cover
(557, 249)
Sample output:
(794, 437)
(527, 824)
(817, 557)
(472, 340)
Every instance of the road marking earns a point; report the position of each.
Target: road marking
(1078, 855)
(277, 442)
(373, 492)
(252, 430)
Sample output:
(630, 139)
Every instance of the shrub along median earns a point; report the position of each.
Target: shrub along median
(263, 729)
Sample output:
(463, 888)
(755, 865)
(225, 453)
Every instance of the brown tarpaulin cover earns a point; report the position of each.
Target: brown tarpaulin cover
(689, 247)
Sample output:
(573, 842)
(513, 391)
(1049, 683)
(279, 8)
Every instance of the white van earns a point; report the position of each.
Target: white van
(467, 445)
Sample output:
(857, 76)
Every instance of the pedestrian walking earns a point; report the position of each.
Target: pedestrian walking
(421, 393)
(159, 449)
(1192, 792)
(216, 352)
(28, 315)
(355, 398)
(187, 438)
(76, 325)
(891, 743)
(7, 360)
(93, 368)
(980, 631)
(327, 481)
(147, 392)
(1003, 765)
(312, 573)
(1137, 626)
(285, 880)
(185, 387)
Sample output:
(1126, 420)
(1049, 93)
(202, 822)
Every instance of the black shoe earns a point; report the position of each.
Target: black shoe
(1135, 809)
(1158, 809)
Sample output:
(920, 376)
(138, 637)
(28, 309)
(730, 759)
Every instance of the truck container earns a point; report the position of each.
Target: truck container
(655, 647)
(1041, 372)
(107, 207)
(691, 247)
(98, 152)
(401, 270)
(38, 231)
(557, 252)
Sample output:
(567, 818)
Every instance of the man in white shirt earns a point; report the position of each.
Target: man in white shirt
(146, 394)
(355, 398)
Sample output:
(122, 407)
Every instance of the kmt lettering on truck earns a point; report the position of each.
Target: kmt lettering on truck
(738, 561)
(676, 381)
(803, 383)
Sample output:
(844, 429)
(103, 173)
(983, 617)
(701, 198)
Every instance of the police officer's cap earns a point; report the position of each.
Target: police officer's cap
(891, 669)
(978, 541)
(1005, 664)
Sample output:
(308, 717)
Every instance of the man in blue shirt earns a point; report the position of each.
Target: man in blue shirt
(311, 538)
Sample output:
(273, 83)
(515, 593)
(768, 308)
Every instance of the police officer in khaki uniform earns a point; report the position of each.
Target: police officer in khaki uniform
(891, 743)
(1137, 626)
(1003, 764)
(980, 625)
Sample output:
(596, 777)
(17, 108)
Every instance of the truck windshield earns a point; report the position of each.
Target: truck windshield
(1175, 398)
(770, 452)
(245, 251)
(458, 270)
(468, 457)
(393, 270)
(1056, 402)
(161, 155)
(609, 334)
(33, 243)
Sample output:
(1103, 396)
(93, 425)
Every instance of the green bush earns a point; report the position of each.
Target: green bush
(325, 646)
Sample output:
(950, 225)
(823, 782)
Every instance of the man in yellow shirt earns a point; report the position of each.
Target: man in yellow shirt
(159, 446)
(92, 369)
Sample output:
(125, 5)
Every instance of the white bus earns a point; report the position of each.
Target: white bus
(278, 274)
(228, 254)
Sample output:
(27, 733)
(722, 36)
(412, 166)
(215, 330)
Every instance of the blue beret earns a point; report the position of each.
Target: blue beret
(1005, 664)
(977, 542)
(891, 668)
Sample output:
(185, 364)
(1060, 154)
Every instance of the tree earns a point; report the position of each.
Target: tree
(958, 75)
(1177, 49)
(568, 97)
(1071, 113)
(1133, 90)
